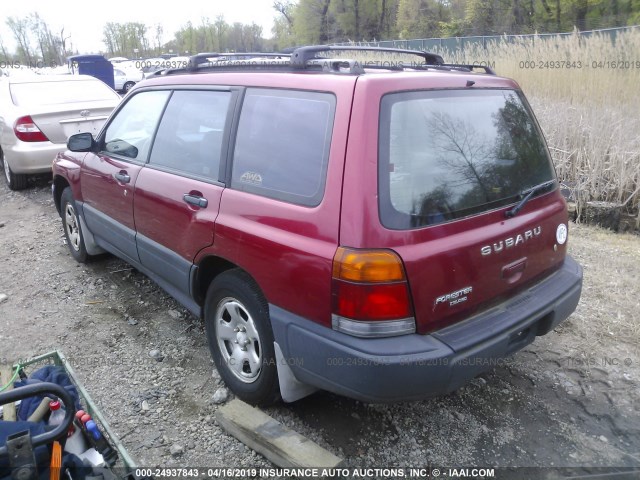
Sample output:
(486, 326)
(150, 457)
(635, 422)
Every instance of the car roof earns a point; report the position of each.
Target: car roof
(327, 63)
(304, 80)
(256, 79)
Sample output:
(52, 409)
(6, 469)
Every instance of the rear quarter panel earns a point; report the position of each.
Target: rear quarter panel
(288, 249)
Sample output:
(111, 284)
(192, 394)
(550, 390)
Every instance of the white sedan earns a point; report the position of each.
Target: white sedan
(124, 79)
(37, 115)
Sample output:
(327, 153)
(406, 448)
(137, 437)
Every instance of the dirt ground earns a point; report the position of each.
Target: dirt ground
(571, 399)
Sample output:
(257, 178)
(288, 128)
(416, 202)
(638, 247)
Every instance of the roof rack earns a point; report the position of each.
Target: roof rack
(470, 67)
(301, 55)
(307, 58)
(202, 58)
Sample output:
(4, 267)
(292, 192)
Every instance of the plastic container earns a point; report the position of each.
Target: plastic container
(57, 413)
(76, 442)
(100, 443)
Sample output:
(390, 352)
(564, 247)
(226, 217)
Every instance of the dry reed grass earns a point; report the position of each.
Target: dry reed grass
(590, 115)
(607, 313)
(589, 112)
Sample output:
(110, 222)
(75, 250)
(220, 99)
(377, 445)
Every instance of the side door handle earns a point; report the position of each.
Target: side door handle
(195, 200)
(122, 176)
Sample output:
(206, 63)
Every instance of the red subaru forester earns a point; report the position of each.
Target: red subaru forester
(382, 231)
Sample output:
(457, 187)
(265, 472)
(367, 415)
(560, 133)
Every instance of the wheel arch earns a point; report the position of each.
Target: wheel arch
(208, 269)
(59, 184)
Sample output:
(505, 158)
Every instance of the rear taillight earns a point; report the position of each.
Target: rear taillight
(27, 131)
(370, 294)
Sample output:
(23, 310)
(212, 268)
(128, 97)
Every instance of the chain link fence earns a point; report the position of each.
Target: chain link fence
(453, 44)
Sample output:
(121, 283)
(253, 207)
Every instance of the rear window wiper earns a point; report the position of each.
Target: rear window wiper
(528, 193)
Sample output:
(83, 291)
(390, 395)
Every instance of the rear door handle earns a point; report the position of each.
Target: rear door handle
(122, 177)
(196, 200)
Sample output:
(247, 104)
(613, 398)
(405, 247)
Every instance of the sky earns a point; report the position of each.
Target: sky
(84, 20)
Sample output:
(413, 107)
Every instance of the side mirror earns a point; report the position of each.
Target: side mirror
(81, 142)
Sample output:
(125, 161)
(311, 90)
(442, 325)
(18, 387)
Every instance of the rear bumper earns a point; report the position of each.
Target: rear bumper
(32, 157)
(416, 366)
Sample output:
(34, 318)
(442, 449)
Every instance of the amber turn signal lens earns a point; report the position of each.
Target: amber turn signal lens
(367, 265)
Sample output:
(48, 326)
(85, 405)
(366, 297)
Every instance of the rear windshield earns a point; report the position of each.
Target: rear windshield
(53, 93)
(448, 154)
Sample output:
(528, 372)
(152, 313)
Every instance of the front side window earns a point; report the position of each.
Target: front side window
(449, 154)
(129, 133)
(282, 145)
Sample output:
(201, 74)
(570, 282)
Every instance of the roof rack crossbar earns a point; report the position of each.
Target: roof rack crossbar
(335, 65)
(301, 55)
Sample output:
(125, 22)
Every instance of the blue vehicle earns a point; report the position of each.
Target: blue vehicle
(94, 65)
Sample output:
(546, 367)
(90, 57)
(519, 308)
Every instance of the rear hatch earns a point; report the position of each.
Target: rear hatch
(63, 108)
(453, 165)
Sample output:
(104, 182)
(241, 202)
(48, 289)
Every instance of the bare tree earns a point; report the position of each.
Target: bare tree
(63, 45)
(20, 28)
(324, 9)
(285, 8)
(109, 32)
(158, 32)
(5, 55)
(221, 28)
(47, 43)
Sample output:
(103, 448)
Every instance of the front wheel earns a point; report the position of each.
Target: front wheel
(72, 227)
(240, 337)
(127, 86)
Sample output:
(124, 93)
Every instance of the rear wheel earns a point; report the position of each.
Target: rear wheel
(240, 337)
(16, 181)
(72, 227)
(127, 86)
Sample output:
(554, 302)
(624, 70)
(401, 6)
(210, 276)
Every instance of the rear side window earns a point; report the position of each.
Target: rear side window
(282, 145)
(453, 153)
(189, 138)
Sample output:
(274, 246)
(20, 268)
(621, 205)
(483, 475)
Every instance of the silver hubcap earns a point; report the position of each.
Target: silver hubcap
(71, 225)
(238, 340)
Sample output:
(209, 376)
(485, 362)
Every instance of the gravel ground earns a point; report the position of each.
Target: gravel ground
(571, 399)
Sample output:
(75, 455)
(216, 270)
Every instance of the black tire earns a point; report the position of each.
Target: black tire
(15, 181)
(246, 364)
(72, 227)
(127, 86)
